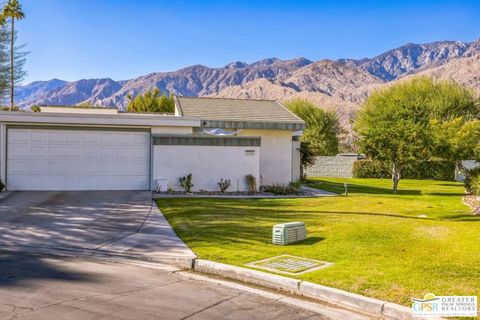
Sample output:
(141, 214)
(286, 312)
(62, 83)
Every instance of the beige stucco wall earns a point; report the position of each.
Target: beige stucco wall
(275, 155)
(208, 164)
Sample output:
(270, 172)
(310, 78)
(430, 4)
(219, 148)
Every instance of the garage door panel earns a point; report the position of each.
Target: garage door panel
(19, 137)
(73, 168)
(123, 138)
(15, 182)
(38, 152)
(140, 140)
(55, 182)
(89, 152)
(123, 153)
(73, 152)
(138, 155)
(107, 153)
(57, 152)
(20, 167)
(38, 136)
(56, 137)
(20, 152)
(37, 166)
(73, 137)
(40, 159)
(56, 167)
(73, 183)
(89, 137)
(90, 167)
(107, 168)
(38, 182)
(106, 138)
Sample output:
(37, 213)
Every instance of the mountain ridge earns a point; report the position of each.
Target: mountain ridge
(338, 84)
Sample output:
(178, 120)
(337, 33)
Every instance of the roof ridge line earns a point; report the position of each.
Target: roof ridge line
(222, 98)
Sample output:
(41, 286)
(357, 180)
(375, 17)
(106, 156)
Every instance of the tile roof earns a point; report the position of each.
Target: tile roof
(235, 110)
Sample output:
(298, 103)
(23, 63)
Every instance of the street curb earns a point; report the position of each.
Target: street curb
(346, 299)
(372, 307)
(247, 275)
(184, 263)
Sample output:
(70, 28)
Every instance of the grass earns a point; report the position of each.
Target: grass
(379, 245)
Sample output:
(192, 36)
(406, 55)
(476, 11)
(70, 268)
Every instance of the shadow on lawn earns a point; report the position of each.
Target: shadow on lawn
(271, 211)
(463, 218)
(357, 188)
(308, 241)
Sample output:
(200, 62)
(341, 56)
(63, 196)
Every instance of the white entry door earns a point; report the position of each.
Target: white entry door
(51, 159)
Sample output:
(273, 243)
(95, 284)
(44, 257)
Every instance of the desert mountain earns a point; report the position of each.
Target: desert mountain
(341, 85)
(36, 89)
(414, 57)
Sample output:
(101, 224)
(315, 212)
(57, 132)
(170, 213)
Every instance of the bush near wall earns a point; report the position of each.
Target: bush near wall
(475, 185)
(420, 170)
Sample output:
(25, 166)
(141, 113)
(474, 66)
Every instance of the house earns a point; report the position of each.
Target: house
(71, 148)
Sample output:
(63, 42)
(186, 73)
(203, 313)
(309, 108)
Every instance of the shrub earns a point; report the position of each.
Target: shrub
(471, 175)
(283, 189)
(223, 185)
(2, 186)
(35, 109)
(370, 169)
(420, 170)
(186, 182)
(4, 108)
(474, 185)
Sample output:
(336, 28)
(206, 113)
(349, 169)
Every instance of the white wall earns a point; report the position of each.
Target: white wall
(275, 155)
(208, 164)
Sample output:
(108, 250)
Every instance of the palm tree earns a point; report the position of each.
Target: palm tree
(12, 10)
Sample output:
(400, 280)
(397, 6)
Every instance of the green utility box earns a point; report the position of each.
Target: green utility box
(287, 233)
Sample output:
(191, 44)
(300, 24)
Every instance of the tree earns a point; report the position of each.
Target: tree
(151, 101)
(4, 59)
(394, 125)
(322, 127)
(455, 123)
(457, 140)
(12, 10)
(307, 158)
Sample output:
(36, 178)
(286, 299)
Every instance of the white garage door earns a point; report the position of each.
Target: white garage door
(41, 159)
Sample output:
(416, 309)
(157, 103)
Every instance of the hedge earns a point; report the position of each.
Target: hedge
(420, 170)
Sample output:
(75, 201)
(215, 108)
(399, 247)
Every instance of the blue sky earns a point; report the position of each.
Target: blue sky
(121, 39)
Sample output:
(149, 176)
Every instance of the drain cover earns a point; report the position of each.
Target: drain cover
(289, 264)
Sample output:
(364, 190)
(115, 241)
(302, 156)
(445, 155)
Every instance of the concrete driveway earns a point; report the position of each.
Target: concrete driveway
(38, 287)
(100, 222)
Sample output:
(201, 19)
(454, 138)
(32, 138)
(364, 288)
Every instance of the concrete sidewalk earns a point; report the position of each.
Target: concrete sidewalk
(155, 241)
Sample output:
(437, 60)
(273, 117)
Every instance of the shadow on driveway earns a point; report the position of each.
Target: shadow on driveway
(18, 269)
(73, 220)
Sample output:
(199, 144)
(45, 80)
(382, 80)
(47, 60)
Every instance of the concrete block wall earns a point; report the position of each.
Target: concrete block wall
(331, 167)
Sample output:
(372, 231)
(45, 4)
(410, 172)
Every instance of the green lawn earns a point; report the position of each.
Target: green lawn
(377, 242)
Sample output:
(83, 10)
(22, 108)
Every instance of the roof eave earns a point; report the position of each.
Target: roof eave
(259, 125)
